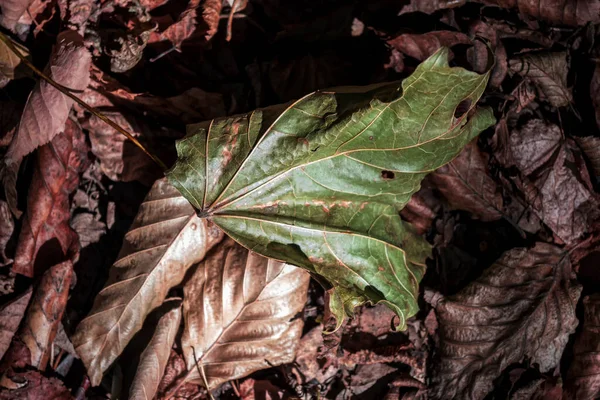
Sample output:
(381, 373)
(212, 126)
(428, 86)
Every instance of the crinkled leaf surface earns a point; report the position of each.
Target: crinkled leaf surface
(165, 239)
(240, 312)
(319, 183)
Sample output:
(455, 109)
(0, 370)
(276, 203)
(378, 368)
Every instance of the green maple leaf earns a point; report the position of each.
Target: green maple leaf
(319, 183)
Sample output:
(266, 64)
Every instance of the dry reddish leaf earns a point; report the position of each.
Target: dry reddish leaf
(561, 193)
(211, 13)
(539, 389)
(12, 11)
(11, 315)
(583, 380)
(480, 59)
(154, 358)
(171, 386)
(252, 389)
(165, 239)
(561, 12)
(548, 71)
(6, 230)
(421, 46)
(590, 146)
(32, 385)
(120, 159)
(522, 306)
(45, 313)
(46, 235)
(467, 185)
(430, 6)
(47, 109)
(239, 311)
(307, 358)
(421, 210)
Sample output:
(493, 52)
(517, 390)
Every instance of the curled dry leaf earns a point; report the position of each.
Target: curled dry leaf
(583, 380)
(561, 193)
(522, 306)
(560, 12)
(595, 92)
(154, 358)
(45, 313)
(480, 57)
(11, 315)
(421, 46)
(320, 183)
(548, 71)
(467, 185)
(590, 146)
(165, 239)
(12, 11)
(46, 237)
(47, 109)
(421, 210)
(239, 311)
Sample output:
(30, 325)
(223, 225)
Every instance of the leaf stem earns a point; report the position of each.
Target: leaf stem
(67, 92)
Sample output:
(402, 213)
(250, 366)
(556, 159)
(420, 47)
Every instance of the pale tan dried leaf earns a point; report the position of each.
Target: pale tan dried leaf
(165, 239)
(12, 11)
(239, 311)
(11, 315)
(522, 306)
(45, 313)
(9, 62)
(47, 109)
(154, 358)
(549, 72)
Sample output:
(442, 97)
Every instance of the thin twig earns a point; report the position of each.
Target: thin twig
(67, 92)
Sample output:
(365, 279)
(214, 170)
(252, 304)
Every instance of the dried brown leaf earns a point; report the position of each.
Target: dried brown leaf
(165, 239)
(421, 46)
(480, 59)
(11, 315)
(563, 12)
(211, 13)
(154, 358)
(522, 306)
(12, 11)
(46, 237)
(7, 226)
(32, 385)
(583, 381)
(467, 184)
(9, 62)
(548, 71)
(45, 313)
(595, 92)
(590, 146)
(47, 109)
(239, 312)
(555, 181)
(430, 6)
(421, 210)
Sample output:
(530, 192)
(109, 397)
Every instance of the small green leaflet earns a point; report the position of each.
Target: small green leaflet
(319, 183)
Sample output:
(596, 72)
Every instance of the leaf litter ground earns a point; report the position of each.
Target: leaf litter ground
(508, 305)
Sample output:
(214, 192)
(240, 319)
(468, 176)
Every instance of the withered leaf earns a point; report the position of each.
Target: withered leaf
(319, 183)
(45, 313)
(421, 46)
(522, 306)
(549, 73)
(239, 312)
(590, 146)
(47, 109)
(11, 315)
(9, 62)
(595, 92)
(12, 11)
(154, 358)
(561, 12)
(467, 185)
(165, 239)
(583, 381)
(46, 237)
(32, 385)
(560, 193)
(6, 230)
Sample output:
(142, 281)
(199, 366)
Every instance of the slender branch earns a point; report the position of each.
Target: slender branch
(67, 92)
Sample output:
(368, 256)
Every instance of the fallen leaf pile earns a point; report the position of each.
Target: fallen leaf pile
(395, 200)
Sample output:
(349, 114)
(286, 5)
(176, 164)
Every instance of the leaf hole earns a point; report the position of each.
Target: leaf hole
(462, 108)
(387, 175)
